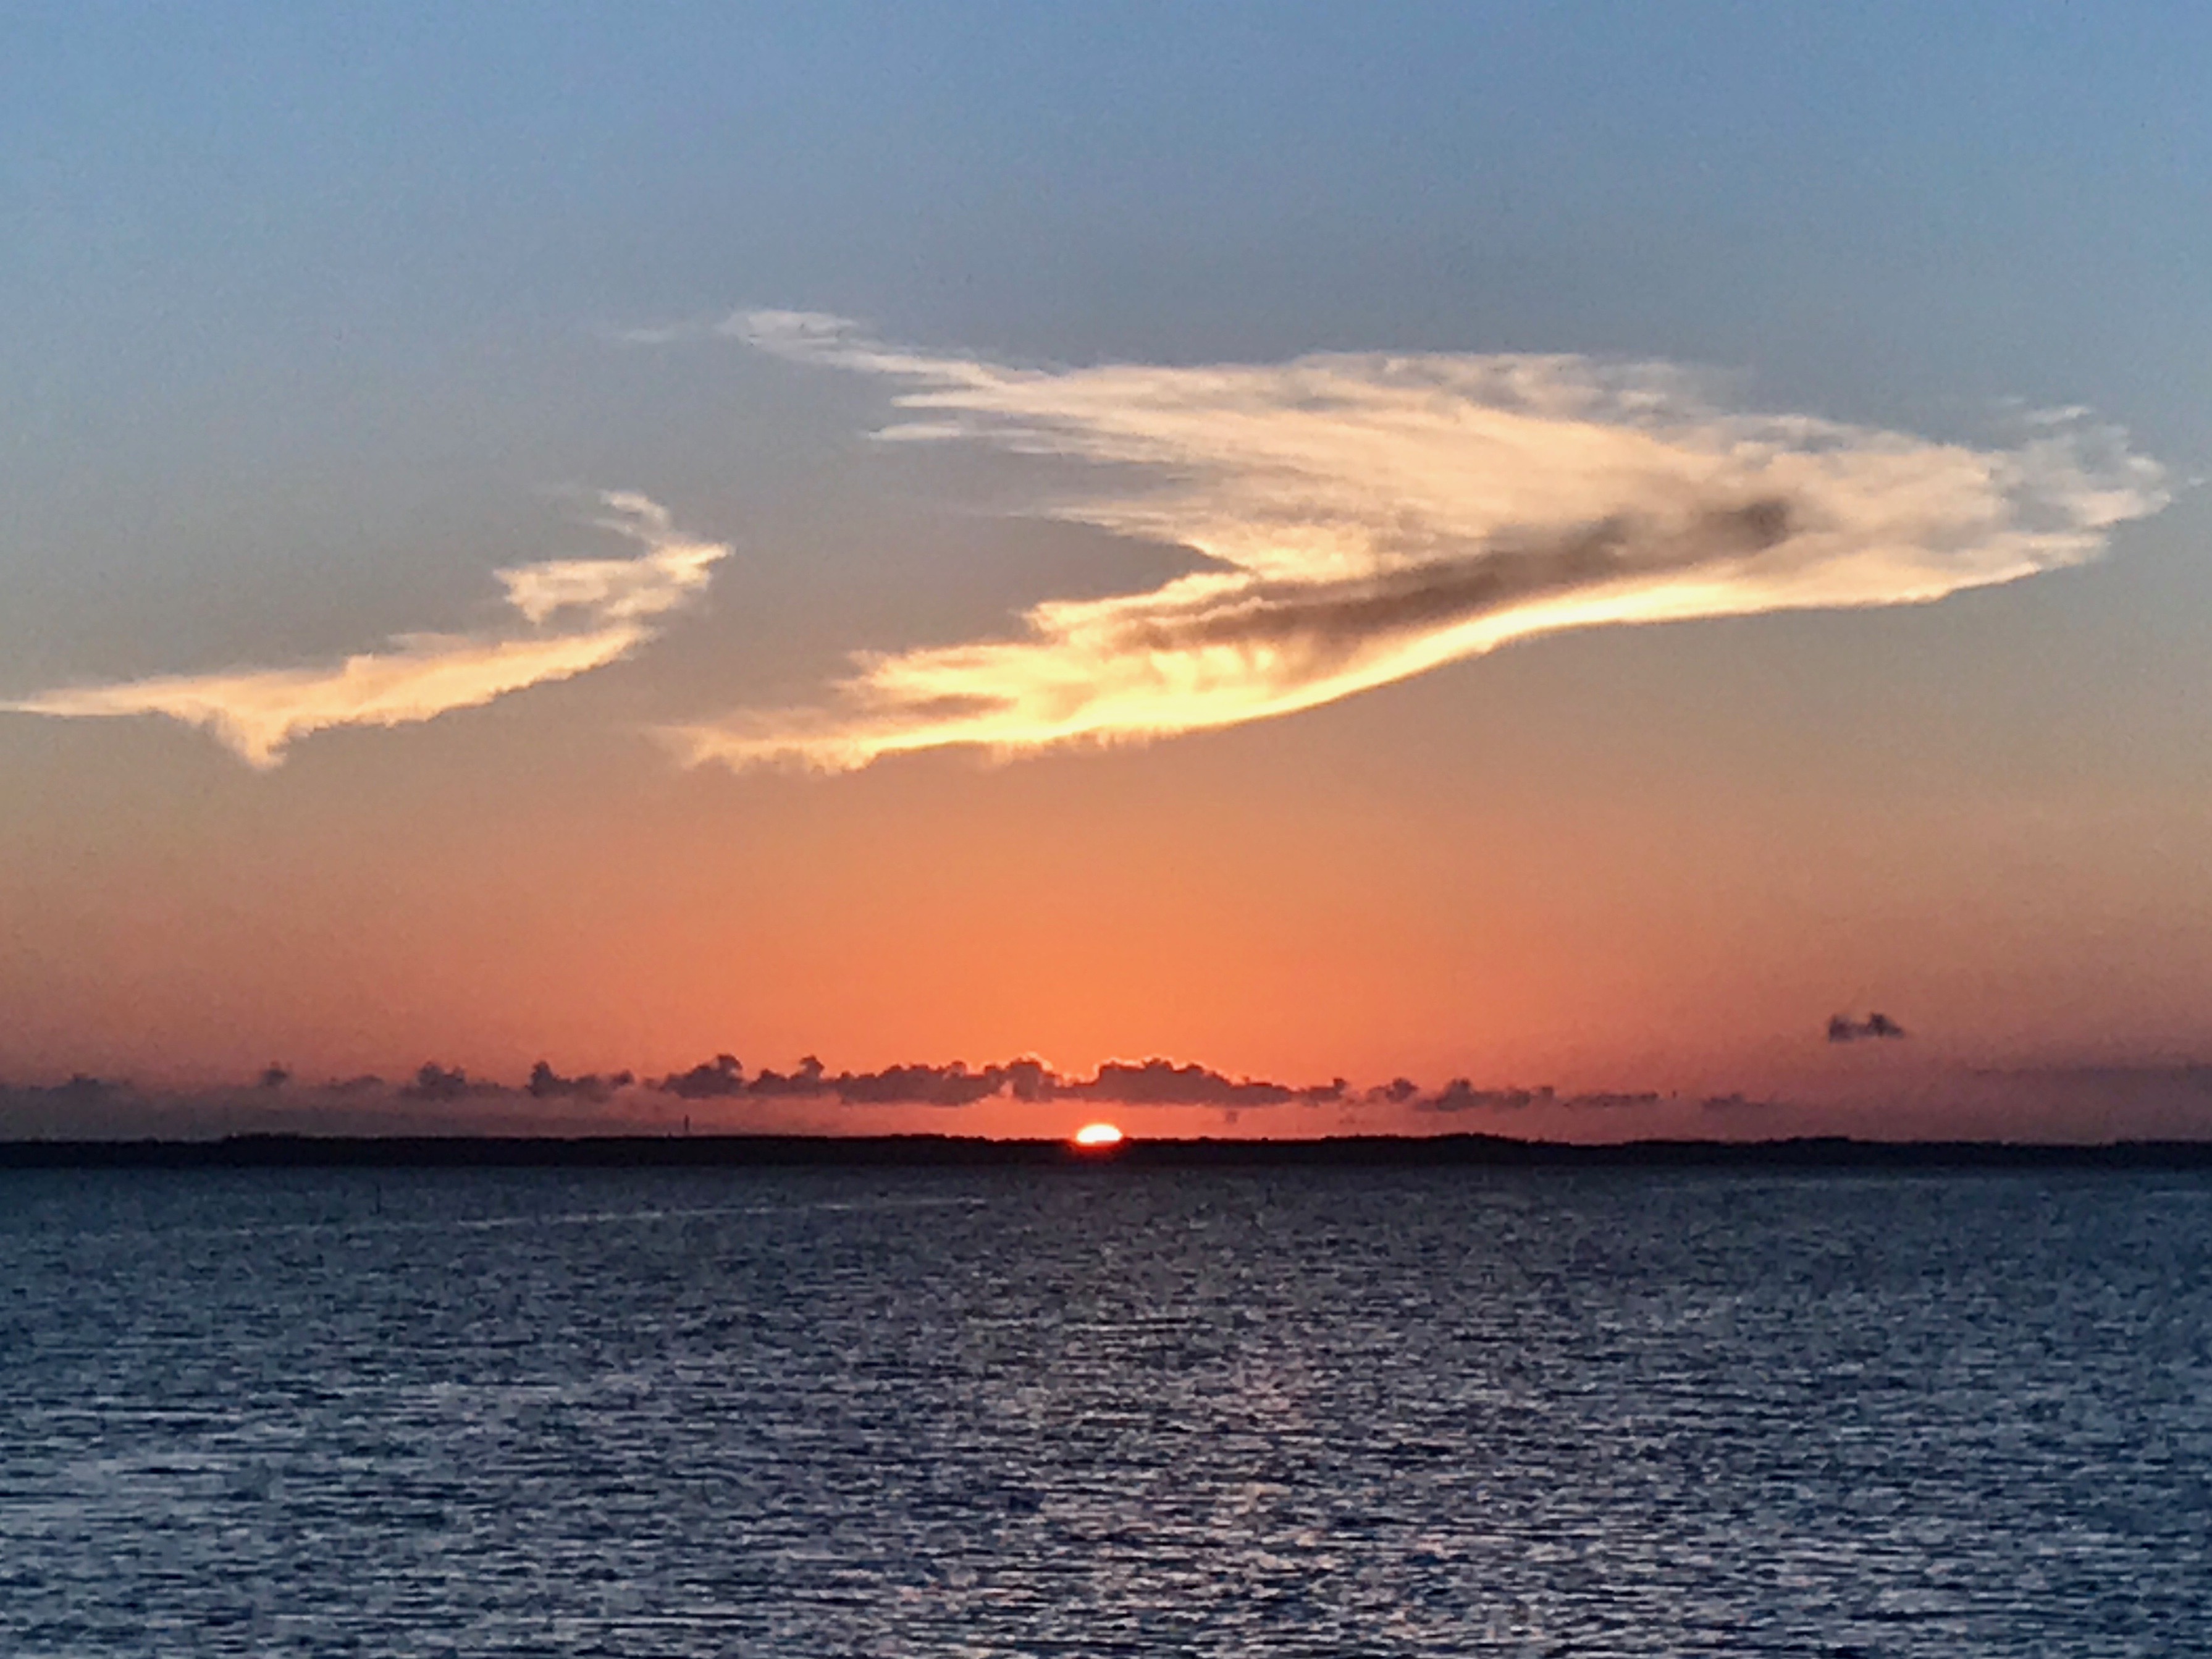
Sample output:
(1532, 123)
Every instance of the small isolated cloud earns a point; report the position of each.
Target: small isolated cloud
(1362, 518)
(1842, 1029)
(1735, 1101)
(571, 616)
(1460, 1095)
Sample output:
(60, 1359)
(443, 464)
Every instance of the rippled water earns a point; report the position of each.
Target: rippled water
(1102, 1411)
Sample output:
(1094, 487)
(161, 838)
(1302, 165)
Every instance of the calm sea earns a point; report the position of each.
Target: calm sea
(1102, 1411)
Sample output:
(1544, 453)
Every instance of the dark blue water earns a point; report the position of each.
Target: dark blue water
(1105, 1412)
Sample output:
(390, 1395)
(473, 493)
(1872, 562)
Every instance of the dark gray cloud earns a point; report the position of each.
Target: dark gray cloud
(1156, 1082)
(1842, 1029)
(82, 1089)
(718, 1079)
(1737, 1102)
(1327, 620)
(806, 1080)
(930, 1085)
(1460, 1095)
(547, 1084)
(1149, 1083)
(1163, 1082)
(432, 1082)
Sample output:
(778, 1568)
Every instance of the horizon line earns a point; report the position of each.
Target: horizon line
(937, 1148)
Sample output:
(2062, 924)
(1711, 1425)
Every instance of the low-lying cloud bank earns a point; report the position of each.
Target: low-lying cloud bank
(1026, 1097)
(1366, 517)
(1150, 1082)
(571, 616)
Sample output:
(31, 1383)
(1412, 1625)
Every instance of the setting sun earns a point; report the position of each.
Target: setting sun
(1098, 1134)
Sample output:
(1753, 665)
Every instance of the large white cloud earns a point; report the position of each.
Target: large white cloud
(1362, 518)
(574, 615)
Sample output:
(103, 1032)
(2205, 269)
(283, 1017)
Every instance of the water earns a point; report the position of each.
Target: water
(1105, 1412)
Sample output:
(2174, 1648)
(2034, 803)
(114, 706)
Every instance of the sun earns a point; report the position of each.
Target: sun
(1098, 1134)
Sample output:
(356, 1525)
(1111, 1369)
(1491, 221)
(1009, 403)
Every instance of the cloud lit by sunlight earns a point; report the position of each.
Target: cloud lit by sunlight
(574, 615)
(1359, 519)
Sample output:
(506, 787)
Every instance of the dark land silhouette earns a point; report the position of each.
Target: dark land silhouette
(960, 1151)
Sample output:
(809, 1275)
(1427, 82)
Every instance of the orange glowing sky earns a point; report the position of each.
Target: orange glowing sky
(1505, 567)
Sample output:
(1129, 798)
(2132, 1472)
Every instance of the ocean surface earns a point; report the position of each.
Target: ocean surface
(1104, 1412)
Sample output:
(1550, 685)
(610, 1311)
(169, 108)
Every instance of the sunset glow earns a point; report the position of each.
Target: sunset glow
(835, 826)
(1441, 578)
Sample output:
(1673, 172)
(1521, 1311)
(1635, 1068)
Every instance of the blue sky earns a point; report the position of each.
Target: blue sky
(2005, 193)
(316, 298)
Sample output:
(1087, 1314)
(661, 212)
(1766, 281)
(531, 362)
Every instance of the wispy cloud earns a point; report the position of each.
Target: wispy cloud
(571, 616)
(1363, 518)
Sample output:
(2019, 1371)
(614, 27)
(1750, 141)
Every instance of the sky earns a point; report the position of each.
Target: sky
(1544, 551)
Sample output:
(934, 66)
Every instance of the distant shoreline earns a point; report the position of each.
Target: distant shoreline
(264, 1151)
